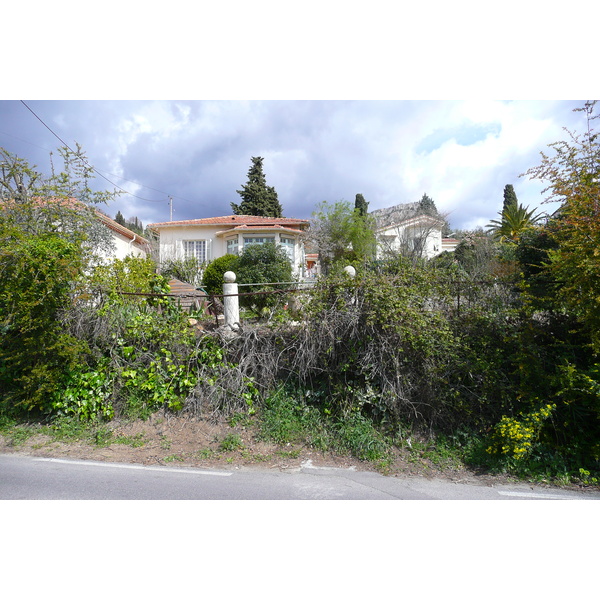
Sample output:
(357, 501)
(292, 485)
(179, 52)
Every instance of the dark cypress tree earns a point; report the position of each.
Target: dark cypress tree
(361, 205)
(427, 205)
(120, 219)
(510, 198)
(258, 199)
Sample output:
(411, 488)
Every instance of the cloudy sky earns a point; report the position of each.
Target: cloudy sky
(460, 153)
(339, 98)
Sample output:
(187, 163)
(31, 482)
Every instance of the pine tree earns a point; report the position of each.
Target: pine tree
(427, 205)
(120, 219)
(361, 205)
(510, 198)
(258, 199)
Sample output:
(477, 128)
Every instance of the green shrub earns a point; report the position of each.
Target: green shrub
(37, 282)
(357, 434)
(286, 418)
(212, 279)
(231, 442)
(129, 281)
(187, 269)
(164, 382)
(86, 396)
(260, 264)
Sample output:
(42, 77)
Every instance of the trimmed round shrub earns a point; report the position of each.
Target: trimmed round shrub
(212, 280)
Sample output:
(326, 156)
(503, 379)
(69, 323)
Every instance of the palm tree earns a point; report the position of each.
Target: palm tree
(516, 218)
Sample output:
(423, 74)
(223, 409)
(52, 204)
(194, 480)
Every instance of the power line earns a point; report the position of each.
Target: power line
(86, 162)
(25, 141)
(101, 171)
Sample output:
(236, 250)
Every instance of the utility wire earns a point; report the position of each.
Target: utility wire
(107, 172)
(84, 161)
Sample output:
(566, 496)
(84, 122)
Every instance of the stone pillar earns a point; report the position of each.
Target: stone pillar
(231, 304)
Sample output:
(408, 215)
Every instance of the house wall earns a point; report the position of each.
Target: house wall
(123, 247)
(126, 247)
(395, 238)
(449, 244)
(171, 241)
(172, 238)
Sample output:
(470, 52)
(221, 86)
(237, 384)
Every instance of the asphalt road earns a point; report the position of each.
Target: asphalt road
(31, 478)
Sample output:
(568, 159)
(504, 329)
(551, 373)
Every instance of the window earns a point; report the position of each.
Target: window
(195, 249)
(258, 240)
(288, 244)
(233, 245)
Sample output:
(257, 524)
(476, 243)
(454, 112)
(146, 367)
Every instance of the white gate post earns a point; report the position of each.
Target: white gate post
(231, 304)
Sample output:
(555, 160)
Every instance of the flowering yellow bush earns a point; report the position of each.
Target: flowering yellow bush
(513, 437)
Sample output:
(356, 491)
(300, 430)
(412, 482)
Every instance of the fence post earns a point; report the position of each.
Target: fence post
(231, 304)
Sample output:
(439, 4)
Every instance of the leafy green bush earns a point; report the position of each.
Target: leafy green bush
(357, 434)
(86, 396)
(36, 284)
(129, 281)
(188, 269)
(163, 383)
(285, 417)
(260, 264)
(212, 279)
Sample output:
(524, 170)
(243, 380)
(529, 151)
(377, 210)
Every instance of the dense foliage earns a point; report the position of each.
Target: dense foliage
(189, 269)
(37, 275)
(343, 234)
(212, 278)
(262, 264)
(510, 197)
(572, 174)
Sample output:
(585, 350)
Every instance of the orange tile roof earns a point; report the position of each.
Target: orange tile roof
(111, 224)
(75, 204)
(236, 220)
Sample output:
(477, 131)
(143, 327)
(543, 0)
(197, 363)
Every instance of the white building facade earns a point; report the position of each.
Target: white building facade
(125, 241)
(210, 238)
(404, 229)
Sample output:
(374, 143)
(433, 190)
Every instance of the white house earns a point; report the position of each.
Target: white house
(404, 229)
(210, 238)
(449, 244)
(125, 241)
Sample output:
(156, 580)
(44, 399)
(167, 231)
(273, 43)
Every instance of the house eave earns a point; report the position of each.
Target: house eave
(259, 229)
(233, 221)
(424, 219)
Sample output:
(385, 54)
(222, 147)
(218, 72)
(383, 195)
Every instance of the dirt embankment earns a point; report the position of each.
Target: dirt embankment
(184, 442)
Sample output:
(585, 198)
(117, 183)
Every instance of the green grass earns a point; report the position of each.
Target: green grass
(135, 441)
(18, 434)
(67, 430)
(286, 419)
(173, 458)
(231, 442)
(206, 454)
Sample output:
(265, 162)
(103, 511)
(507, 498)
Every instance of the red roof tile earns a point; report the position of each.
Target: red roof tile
(75, 204)
(111, 224)
(234, 220)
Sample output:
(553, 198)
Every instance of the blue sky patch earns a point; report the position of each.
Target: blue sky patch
(464, 135)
